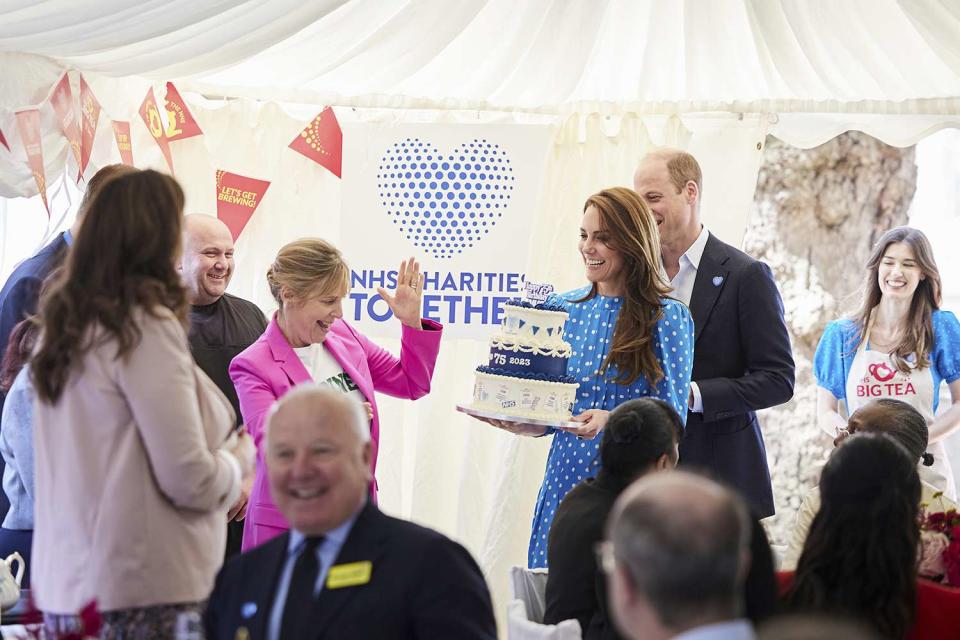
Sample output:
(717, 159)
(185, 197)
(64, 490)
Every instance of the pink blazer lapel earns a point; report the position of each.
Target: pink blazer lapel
(284, 354)
(348, 353)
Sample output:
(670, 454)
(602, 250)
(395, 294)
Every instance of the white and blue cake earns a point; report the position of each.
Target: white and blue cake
(526, 375)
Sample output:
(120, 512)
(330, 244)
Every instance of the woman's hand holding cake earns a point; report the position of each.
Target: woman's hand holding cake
(592, 422)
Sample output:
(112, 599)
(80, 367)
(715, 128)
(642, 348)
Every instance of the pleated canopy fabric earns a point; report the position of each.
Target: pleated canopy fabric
(613, 78)
(888, 56)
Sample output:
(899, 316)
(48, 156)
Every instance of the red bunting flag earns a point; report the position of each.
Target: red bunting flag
(151, 118)
(322, 141)
(180, 122)
(28, 123)
(121, 131)
(3, 140)
(237, 198)
(89, 119)
(62, 101)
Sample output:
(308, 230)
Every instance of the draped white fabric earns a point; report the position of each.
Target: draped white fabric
(853, 63)
(613, 77)
(532, 54)
(438, 466)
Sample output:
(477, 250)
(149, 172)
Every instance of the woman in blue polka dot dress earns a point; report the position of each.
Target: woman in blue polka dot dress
(629, 341)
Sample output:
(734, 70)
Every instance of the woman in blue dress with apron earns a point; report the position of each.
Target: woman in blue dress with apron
(899, 345)
(629, 340)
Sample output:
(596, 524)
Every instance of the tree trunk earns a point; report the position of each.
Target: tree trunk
(816, 214)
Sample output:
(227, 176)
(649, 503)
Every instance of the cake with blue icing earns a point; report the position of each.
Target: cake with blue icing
(526, 373)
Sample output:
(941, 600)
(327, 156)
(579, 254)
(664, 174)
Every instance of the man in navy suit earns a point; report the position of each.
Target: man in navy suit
(344, 570)
(742, 356)
(21, 292)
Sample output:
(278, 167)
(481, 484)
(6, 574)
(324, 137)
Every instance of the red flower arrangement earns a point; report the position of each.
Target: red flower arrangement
(89, 618)
(940, 546)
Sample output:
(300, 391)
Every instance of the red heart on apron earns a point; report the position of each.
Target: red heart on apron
(881, 371)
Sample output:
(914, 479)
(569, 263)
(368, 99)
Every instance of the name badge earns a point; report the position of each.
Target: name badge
(349, 575)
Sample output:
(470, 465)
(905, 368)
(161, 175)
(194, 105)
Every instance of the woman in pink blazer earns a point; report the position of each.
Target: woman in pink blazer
(308, 341)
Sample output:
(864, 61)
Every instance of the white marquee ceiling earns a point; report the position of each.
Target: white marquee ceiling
(551, 55)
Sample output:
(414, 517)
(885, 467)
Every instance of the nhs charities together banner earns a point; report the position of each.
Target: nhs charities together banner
(459, 197)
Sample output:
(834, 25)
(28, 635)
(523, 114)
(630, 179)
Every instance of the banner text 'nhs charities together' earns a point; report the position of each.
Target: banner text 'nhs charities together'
(465, 297)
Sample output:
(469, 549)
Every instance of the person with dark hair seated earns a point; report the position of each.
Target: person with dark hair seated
(760, 586)
(901, 422)
(641, 436)
(860, 557)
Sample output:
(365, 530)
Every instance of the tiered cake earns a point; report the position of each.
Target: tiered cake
(526, 376)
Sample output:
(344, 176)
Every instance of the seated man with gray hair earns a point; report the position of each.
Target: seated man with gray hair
(676, 556)
(344, 569)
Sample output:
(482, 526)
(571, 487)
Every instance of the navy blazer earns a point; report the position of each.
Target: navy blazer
(423, 586)
(18, 300)
(21, 291)
(742, 362)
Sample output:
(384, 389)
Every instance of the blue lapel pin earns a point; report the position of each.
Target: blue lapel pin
(717, 281)
(248, 610)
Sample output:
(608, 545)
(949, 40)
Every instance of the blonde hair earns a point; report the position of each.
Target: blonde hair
(305, 268)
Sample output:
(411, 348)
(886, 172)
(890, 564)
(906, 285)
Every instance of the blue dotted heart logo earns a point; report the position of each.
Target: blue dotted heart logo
(445, 204)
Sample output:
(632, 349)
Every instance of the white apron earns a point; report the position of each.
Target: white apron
(873, 375)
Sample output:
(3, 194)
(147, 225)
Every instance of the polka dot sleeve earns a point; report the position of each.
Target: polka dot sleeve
(946, 345)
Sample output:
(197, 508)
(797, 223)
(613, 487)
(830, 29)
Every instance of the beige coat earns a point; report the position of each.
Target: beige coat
(132, 488)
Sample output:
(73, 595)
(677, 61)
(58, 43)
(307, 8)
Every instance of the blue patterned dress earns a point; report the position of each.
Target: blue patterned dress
(589, 330)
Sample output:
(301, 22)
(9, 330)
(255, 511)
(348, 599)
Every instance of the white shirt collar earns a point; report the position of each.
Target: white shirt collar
(695, 253)
(729, 630)
(335, 536)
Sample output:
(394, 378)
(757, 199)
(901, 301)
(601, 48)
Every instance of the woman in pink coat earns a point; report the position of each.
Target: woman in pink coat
(308, 341)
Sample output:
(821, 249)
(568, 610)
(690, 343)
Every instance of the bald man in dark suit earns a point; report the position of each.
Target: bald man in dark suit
(344, 569)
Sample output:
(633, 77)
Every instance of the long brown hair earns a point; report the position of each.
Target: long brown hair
(860, 556)
(633, 234)
(121, 260)
(917, 339)
(22, 338)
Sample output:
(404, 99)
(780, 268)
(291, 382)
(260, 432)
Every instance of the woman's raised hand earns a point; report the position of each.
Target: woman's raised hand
(406, 299)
